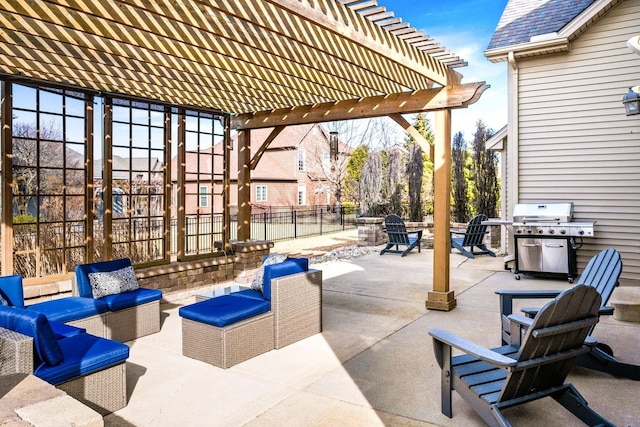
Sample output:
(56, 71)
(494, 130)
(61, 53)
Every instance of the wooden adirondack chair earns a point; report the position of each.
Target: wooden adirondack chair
(492, 380)
(472, 237)
(400, 236)
(602, 272)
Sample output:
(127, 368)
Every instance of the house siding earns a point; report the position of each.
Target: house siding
(575, 142)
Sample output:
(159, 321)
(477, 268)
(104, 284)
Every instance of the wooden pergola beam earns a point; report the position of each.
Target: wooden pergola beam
(413, 132)
(457, 96)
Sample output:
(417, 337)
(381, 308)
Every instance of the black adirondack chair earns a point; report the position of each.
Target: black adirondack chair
(602, 272)
(400, 236)
(496, 379)
(472, 237)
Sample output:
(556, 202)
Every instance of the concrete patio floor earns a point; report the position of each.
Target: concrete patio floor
(373, 365)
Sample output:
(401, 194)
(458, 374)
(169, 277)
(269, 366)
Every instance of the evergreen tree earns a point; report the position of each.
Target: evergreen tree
(459, 184)
(420, 177)
(355, 167)
(485, 165)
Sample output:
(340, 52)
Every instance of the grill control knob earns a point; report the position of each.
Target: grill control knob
(581, 232)
(541, 231)
(519, 231)
(529, 231)
(552, 231)
(563, 231)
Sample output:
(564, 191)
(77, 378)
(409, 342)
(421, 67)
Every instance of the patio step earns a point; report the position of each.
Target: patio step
(626, 302)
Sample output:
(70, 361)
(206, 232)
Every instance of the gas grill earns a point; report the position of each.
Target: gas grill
(546, 239)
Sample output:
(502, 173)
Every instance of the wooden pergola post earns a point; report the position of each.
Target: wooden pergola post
(244, 185)
(441, 298)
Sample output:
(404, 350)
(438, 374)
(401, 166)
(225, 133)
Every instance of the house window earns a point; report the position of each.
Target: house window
(302, 194)
(261, 193)
(301, 156)
(203, 201)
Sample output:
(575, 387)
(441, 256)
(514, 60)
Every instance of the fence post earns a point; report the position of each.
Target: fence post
(264, 217)
(295, 225)
(321, 221)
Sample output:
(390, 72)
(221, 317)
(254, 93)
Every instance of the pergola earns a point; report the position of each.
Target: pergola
(267, 63)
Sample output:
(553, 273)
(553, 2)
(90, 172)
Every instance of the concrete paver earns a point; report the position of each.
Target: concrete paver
(373, 365)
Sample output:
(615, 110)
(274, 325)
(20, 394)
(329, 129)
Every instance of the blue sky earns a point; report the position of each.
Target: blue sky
(465, 28)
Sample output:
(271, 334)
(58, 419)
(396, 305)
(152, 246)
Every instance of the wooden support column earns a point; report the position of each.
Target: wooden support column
(7, 177)
(441, 298)
(244, 185)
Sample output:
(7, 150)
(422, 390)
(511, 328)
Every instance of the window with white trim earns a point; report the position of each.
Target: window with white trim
(261, 193)
(203, 199)
(302, 194)
(301, 160)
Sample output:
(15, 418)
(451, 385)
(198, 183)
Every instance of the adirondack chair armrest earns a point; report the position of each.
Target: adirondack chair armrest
(443, 338)
(606, 311)
(417, 231)
(461, 232)
(507, 297)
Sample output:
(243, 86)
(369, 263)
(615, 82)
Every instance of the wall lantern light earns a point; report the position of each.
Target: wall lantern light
(631, 101)
(333, 145)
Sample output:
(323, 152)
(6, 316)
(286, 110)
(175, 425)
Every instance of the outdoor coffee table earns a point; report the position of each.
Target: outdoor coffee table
(221, 291)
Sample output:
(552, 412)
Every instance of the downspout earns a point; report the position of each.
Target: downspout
(512, 142)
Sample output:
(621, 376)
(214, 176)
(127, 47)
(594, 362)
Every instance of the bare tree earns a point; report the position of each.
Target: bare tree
(371, 185)
(394, 180)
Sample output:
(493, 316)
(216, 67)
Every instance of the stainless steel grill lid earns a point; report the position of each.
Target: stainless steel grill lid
(542, 212)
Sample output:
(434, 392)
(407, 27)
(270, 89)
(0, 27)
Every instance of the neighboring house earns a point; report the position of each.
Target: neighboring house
(131, 176)
(568, 137)
(289, 173)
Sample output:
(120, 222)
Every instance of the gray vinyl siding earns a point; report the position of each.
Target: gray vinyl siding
(575, 141)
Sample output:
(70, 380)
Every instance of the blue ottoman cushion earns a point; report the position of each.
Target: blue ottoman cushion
(69, 308)
(83, 354)
(224, 310)
(131, 298)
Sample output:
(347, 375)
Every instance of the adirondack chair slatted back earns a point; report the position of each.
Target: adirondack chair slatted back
(559, 328)
(396, 229)
(475, 231)
(603, 273)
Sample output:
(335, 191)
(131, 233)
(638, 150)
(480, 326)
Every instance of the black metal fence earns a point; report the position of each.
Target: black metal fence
(275, 223)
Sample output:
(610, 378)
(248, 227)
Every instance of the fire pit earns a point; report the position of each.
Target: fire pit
(546, 239)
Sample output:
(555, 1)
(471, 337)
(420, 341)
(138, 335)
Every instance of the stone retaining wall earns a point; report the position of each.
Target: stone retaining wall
(177, 280)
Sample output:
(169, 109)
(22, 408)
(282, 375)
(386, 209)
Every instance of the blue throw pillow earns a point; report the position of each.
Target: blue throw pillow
(258, 280)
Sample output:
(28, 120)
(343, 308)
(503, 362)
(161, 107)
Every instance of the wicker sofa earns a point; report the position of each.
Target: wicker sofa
(122, 316)
(230, 329)
(88, 368)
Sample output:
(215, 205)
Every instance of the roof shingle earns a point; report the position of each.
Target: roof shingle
(523, 19)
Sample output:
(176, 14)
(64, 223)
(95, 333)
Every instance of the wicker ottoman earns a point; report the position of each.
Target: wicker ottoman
(229, 345)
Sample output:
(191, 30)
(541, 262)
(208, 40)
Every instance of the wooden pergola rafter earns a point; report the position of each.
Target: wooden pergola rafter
(266, 63)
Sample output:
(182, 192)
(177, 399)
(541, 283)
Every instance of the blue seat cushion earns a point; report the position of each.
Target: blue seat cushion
(62, 330)
(69, 308)
(83, 354)
(131, 298)
(285, 268)
(36, 326)
(82, 273)
(224, 310)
